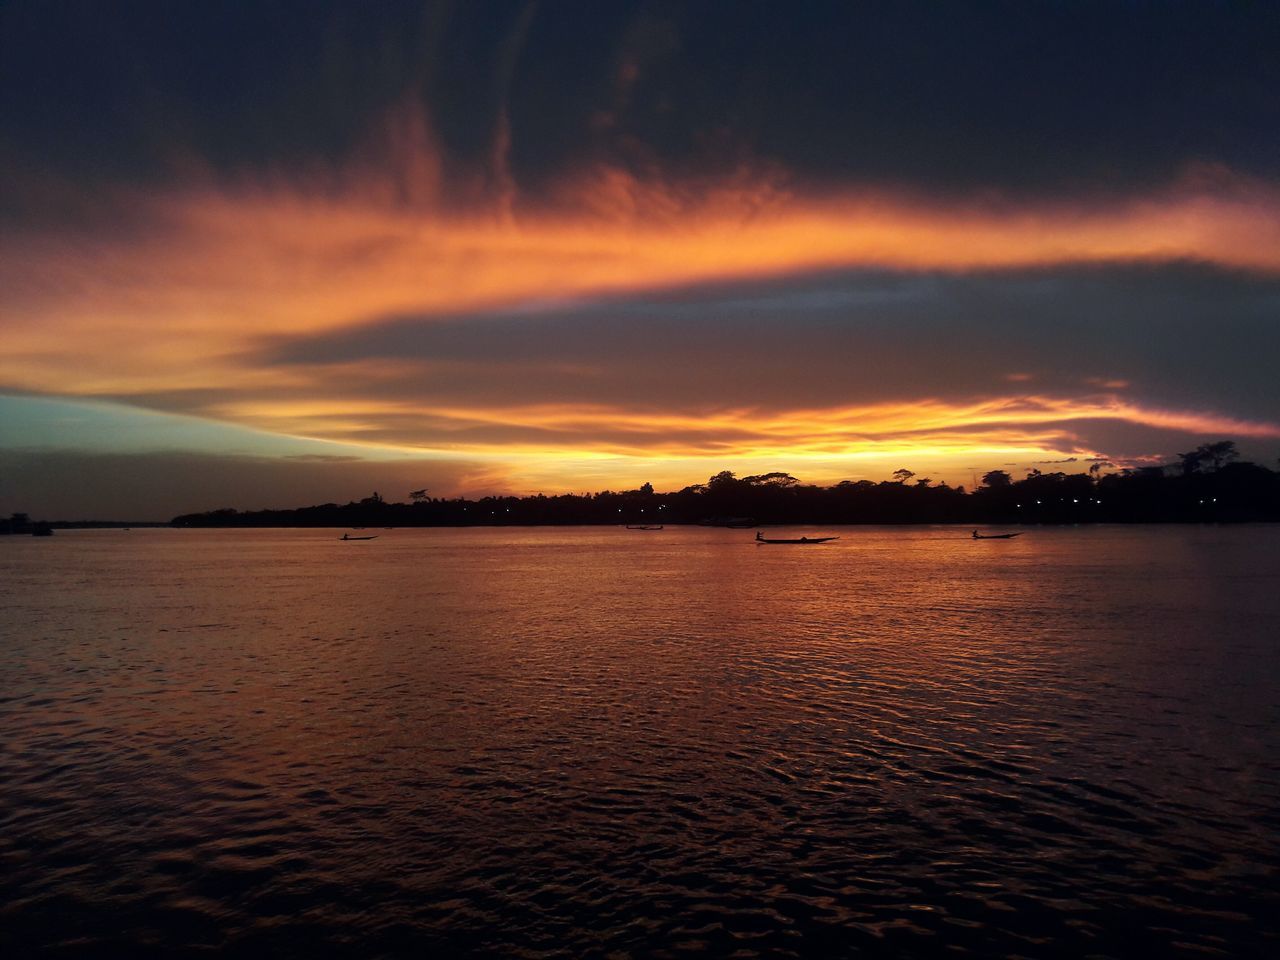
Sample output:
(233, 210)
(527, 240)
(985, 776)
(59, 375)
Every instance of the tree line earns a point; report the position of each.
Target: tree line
(1209, 484)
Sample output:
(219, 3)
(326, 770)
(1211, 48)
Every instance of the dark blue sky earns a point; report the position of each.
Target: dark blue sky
(1056, 98)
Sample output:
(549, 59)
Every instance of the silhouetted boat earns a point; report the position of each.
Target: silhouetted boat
(760, 538)
(736, 523)
(644, 526)
(994, 536)
(41, 530)
(347, 536)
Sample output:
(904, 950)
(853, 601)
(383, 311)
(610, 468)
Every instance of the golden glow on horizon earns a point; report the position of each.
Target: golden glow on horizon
(549, 446)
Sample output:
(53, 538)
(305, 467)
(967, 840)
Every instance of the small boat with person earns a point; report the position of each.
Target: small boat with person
(761, 538)
(994, 536)
(644, 526)
(347, 536)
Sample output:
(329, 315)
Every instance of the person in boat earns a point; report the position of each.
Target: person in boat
(975, 535)
(759, 536)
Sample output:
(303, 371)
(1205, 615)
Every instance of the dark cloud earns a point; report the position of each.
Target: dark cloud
(1178, 335)
(1005, 97)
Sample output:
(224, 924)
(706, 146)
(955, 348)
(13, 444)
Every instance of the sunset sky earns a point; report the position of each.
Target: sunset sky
(271, 254)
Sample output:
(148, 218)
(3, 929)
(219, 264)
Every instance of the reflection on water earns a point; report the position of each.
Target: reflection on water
(572, 742)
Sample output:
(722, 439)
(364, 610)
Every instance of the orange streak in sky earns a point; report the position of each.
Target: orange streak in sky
(934, 427)
(235, 264)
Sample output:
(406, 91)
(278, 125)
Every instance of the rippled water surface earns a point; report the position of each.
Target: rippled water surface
(588, 742)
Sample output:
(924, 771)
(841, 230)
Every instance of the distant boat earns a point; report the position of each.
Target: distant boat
(644, 526)
(41, 530)
(994, 536)
(347, 536)
(760, 538)
(737, 523)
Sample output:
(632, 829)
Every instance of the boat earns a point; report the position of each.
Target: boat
(347, 536)
(761, 538)
(644, 526)
(994, 536)
(735, 523)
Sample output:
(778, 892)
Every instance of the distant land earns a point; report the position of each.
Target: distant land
(20, 523)
(1208, 484)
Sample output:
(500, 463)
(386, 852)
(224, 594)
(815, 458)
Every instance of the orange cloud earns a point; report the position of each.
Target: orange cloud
(227, 265)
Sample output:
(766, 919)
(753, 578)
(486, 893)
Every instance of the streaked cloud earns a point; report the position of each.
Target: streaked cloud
(213, 272)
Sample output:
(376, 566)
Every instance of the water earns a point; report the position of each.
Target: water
(595, 742)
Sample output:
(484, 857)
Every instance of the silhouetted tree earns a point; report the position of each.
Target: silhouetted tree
(996, 479)
(903, 475)
(776, 479)
(1212, 455)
